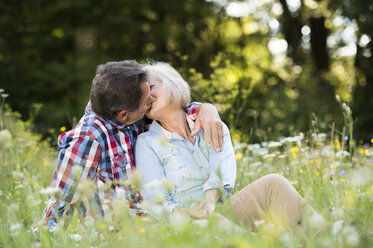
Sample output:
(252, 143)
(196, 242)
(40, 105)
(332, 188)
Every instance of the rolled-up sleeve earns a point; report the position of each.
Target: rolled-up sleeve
(223, 166)
(150, 166)
(81, 152)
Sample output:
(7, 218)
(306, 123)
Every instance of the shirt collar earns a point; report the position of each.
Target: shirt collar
(88, 110)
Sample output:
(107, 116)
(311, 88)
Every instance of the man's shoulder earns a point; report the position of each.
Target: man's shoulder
(90, 126)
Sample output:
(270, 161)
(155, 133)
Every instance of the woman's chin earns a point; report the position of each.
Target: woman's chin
(150, 114)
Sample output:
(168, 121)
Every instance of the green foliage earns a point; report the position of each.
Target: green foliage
(49, 52)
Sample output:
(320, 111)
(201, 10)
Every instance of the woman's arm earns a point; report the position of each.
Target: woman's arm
(223, 166)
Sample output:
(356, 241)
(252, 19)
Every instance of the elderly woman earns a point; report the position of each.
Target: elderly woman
(198, 176)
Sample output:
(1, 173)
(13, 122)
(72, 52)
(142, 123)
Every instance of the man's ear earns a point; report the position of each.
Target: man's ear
(122, 116)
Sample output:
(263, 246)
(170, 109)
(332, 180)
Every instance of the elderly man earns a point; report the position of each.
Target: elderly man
(99, 149)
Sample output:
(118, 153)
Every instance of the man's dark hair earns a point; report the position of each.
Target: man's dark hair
(117, 86)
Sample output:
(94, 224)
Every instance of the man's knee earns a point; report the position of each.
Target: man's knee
(276, 179)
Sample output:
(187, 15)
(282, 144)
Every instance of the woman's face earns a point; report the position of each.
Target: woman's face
(160, 101)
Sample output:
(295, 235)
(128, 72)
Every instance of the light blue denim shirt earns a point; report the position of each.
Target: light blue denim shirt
(191, 169)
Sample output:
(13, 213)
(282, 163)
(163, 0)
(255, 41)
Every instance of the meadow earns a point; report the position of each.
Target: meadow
(332, 172)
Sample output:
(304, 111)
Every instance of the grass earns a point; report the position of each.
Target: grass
(334, 178)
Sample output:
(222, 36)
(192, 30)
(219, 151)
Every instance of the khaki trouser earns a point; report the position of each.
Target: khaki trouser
(271, 196)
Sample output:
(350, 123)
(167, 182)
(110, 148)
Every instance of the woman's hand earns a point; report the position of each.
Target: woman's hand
(208, 118)
(204, 208)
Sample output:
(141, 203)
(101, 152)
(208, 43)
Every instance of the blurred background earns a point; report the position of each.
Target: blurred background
(272, 67)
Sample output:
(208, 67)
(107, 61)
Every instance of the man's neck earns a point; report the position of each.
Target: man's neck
(175, 121)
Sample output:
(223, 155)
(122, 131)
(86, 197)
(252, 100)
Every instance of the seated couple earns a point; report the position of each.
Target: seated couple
(173, 149)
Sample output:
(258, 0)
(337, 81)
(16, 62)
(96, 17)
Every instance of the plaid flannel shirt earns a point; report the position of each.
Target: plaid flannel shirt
(97, 151)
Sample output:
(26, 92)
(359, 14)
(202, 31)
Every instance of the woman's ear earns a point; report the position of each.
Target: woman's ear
(121, 116)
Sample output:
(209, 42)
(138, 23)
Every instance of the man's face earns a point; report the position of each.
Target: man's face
(145, 103)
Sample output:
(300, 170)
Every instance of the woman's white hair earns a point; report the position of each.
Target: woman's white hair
(176, 88)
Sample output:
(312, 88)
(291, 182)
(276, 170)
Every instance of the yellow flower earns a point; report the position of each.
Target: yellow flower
(371, 140)
(317, 173)
(294, 149)
(342, 180)
(142, 230)
(363, 151)
(239, 156)
(63, 129)
(348, 200)
(337, 144)
(301, 171)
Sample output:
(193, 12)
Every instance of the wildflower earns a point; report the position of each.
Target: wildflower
(346, 138)
(346, 108)
(5, 137)
(50, 202)
(316, 221)
(371, 140)
(15, 227)
(295, 149)
(4, 95)
(34, 229)
(239, 156)
(337, 144)
(142, 230)
(256, 164)
(17, 175)
(342, 173)
(321, 137)
(289, 139)
(274, 144)
(63, 129)
(76, 237)
(342, 154)
(331, 173)
(267, 156)
(260, 151)
(253, 147)
(338, 98)
(258, 222)
(49, 190)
